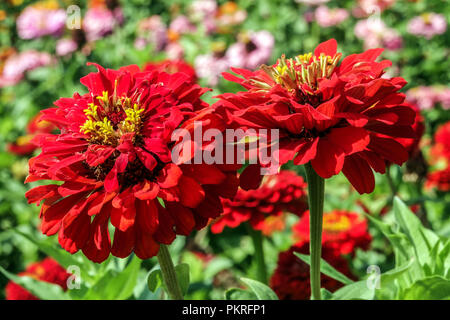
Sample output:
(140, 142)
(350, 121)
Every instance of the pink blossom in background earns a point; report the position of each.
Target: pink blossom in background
(37, 22)
(375, 34)
(252, 51)
(101, 21)
(427, 25)
(366, 8)
(210, 67)
(65, 47)
(16, 65)
(199, 9)
(426, 97)
(174, 51)
(327, 17)
(181, 25)
(444, 98)
(152, 30)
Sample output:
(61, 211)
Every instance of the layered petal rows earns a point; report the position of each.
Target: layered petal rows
(340, 117)
(112, 163)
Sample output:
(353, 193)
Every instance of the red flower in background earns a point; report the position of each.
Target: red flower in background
(172, 66)
(290, 281)
(25, 145)
(264, 207)
(441, 146)
(343, 231)
(47, 270)
(113, 157)
(340, 117)
(439, 179)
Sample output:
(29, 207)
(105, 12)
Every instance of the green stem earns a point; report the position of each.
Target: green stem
(316, 190)
(391, 183)
(169, 274)
(257, 239)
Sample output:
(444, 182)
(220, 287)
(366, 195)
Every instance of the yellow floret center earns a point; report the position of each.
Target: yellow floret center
(333, 223)
(100, 128)
(303, 69)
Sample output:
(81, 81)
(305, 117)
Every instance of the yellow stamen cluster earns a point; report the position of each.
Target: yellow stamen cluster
(99, 127)
(303, 69)
(335, 224)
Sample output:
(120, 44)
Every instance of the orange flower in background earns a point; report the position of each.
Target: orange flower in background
(343, 231)
(47, 270)
(264, 208)
(25, 145)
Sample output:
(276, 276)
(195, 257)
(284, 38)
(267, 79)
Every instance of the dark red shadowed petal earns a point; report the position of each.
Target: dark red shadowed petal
(359, 173)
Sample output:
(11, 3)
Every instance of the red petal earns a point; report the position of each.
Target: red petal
(359, 173)
(191, 193)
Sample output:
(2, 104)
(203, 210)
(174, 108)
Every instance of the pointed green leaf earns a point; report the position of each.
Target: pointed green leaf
(431, 288)
(155, 280)
(182, 271)
(239, 294)
(116, 285)
(261, 291)
(326, 269)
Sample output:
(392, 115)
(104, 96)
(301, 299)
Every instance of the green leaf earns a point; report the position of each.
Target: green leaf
(63, 257)
(261, 291)
(431, 288)
(182, 271)
(326, 269)
(155, 280)
(116, 285)
(239, 294)
(422, 239)
(42, 290)
(362, 291)
(326, 295)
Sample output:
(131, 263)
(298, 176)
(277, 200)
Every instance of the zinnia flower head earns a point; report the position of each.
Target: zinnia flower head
(427, 25)
(290, 280)
(264, 207)
(66, 46)
(113, 157)
(439, 179)
(25, 145)
(340, 117)
(344, 231)
(47, 270)
(441, 146)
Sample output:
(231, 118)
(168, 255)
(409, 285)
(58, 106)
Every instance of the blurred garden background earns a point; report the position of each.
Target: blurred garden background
(44, 48)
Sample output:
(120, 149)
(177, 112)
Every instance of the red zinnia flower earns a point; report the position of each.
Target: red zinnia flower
(172, 66)
(340, 117)
(264, 208)
(113, 156)
(343, 231)
(47, 270)
(439, 179)
(25, 145)
(290, 281)
(441, 147)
